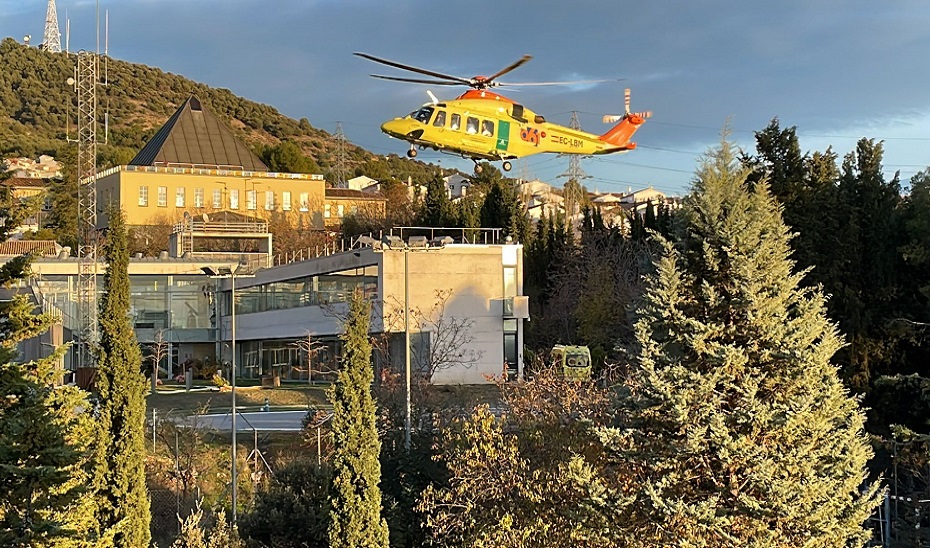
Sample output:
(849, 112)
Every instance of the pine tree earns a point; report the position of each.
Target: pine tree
(119, 478)
(437, 208)
(737, 428)
(44, 436)
(355, 518)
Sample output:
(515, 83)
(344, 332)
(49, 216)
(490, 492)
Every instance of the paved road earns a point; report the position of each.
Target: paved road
(277, 421)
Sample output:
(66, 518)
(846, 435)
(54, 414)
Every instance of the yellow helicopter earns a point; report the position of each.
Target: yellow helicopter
(483, 125)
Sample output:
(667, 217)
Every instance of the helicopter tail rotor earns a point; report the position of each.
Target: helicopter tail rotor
(613, 118)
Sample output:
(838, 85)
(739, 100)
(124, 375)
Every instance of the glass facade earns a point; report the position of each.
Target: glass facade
(156, 302)
(290, 359)
(315, 290)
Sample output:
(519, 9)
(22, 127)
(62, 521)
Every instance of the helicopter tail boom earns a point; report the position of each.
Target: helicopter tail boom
(620, 134)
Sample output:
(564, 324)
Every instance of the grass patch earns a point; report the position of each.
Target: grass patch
(173, 399)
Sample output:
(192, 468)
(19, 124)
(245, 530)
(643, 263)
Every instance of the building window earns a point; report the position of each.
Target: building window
(217, 198)
(162, 196)
(510, 348)
(286, 200)
(340, 210)
(143, 196)
(305, 201)
(269, 200)
(326, 211)
(198, 197)
(251, 199)
(234, 198)
(179, 197)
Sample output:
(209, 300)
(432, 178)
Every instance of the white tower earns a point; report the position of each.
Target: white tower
(52, 39)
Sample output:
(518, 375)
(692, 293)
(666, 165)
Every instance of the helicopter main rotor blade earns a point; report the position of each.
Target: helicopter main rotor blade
(557, 83)
(402, 66)
(416, 80)
(504, 71)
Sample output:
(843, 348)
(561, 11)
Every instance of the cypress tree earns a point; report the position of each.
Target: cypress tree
(355, 515)
(737, 430)
(44, 436)
(119, 478)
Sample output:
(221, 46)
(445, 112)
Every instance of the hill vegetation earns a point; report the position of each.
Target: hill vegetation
(38, 111)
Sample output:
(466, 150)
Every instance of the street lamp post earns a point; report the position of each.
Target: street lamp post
(407, 421)
(395, 243)
(220, 273)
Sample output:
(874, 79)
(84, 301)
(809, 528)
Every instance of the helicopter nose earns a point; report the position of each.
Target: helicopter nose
(394, 128)
(403, 128)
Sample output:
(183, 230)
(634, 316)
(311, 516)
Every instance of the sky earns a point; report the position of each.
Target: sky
(837, 70)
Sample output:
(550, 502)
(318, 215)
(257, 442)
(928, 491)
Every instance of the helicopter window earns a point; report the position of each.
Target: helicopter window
(471, 125)
(455, 121)
(423, 115)
(440, 120)
(487, 128)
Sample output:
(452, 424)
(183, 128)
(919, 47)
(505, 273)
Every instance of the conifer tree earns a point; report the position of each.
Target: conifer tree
(355, 518)
(119, 477)
(437, 208)
(736, 428)
(44, 436)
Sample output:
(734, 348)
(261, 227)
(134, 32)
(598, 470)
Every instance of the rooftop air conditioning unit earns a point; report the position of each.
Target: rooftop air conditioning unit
(417, 241)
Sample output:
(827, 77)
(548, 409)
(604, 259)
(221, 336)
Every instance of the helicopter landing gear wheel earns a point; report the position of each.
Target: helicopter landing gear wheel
(412, 153)
(507, 166)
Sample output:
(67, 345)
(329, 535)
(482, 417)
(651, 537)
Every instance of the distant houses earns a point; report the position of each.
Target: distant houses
(45, 167)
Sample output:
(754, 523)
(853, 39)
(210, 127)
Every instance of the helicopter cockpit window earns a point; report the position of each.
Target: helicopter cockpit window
(455, 121)
(471, 125)
(487, 128)
(440, 120)
(422, 115)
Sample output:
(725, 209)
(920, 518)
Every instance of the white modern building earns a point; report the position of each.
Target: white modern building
(464, 295)
(465, 303)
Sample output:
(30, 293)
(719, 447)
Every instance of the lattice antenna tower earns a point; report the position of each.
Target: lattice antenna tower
(339, 170)
(574, 172)
(85, 81)
(51, 41)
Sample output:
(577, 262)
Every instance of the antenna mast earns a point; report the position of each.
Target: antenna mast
(86, 81)
(51, 41)
(86, 88)
(339, 171)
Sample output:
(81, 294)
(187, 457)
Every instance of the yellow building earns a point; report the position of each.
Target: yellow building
(195, 164)
(153, 195)
(27, 188)
(340, 202)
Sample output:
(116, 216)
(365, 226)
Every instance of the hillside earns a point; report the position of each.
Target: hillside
(36, 104)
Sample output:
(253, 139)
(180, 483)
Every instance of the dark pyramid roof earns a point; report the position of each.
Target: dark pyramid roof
(195, 136)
